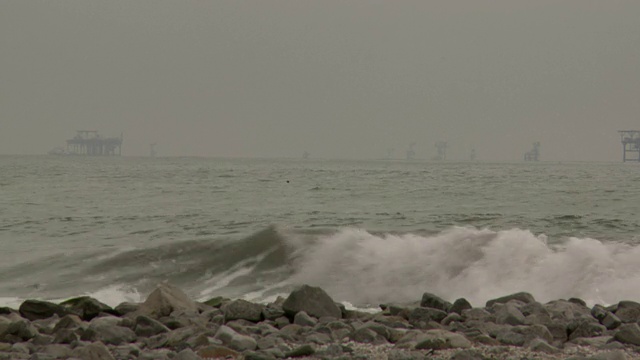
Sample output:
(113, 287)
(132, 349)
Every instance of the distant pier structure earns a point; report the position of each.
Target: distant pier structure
(90, 143)
(630, 145)
(534, 153)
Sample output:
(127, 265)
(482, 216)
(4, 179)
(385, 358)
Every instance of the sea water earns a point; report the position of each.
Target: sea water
(367, 232)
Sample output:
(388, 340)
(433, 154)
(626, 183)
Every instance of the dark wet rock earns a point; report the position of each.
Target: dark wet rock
(303, 319)
(628, 334)
(301, 351)
(37, 309)
(421, 314)
(242, 309)
(164, 300)
(146, 326)
(93, 351)
(460, 305)
(435, 302)
(86, 307)
(312, 300)
(524, 297)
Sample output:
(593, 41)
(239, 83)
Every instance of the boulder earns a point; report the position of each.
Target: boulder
(17, 331)
(146, 326)
(628, 334)
(234, 340)
(86, 307)
(93, 351)
(425, 315)
(312, 300)
(108, 331)
(611, 321)
(303, 319)
(460, 305)
(164, 300)
(242, 309)
(587, 329)
(521, 296)
(540, 345)
(628, 311)
(509, 315)
(217, 352)
(433, 301)
(37, 309)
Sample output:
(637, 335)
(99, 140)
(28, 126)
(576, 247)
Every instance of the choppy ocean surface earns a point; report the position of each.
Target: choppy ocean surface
(365, 231)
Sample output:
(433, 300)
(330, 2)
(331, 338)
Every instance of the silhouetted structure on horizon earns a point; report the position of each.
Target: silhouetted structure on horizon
(630, 144)
(442, 151)
(534, 154)
(90, 143)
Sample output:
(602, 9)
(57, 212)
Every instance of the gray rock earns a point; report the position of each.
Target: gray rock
(69, 322)
(598, 312)
(540, 345)
(628, 334)
(242, 309)
(521, 296)
(628, 311)
(565, 311)
(93, 351)
(107, 331)
(36, 309)
(477, 314)
(146, 326)
(450, 339)
(86, 307)
(258, 355)
(126, 308)
(425, 315)
(164, 300)
(587, 329)
(433, 301)
(367, 336)
(56, 350)
(217, 352)
(468, 355)
(460, 305)
(303, 319)
(272, 312)
(186, 354)
(304, 350)
(610, 355)
(234, 340)
(611, 321)
(509, 315)
(312, 300)
(67, 336)
(17, 331)
(157, 354)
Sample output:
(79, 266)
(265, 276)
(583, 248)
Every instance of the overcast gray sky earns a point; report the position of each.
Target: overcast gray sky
(335, 78)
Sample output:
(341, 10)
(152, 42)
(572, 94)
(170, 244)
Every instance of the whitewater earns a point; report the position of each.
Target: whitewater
(368, 232)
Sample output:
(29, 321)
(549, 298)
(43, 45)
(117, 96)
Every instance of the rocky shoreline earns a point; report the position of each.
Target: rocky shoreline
(308, 324)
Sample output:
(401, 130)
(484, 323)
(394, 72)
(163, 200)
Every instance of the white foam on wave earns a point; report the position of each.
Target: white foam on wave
(477, 264)
(116, 294)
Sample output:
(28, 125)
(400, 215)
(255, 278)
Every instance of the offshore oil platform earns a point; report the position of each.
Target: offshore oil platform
(90, 143)
(630, 145)
(534, 153)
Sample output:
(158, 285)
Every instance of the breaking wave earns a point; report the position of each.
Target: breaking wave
(355, 266)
